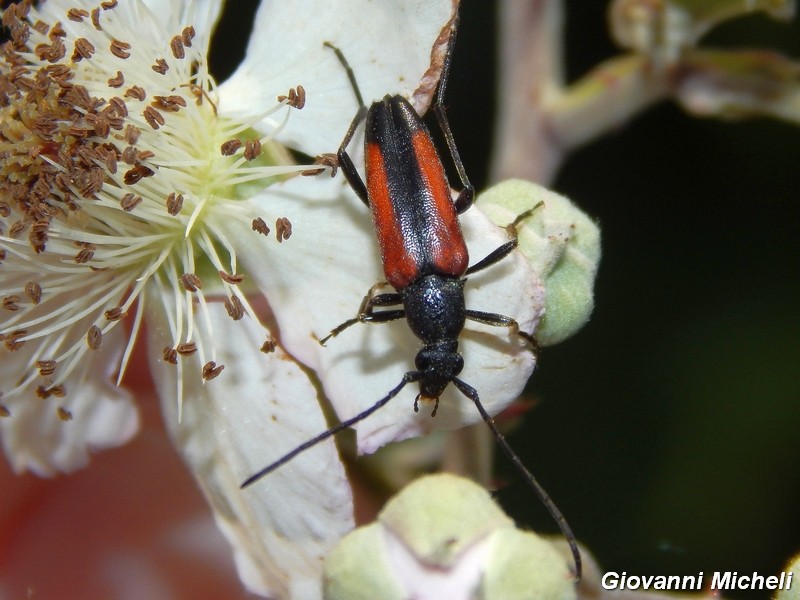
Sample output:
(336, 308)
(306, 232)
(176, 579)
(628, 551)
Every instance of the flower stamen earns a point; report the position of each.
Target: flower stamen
(107, 202)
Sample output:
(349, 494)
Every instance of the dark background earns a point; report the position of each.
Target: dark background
(667, 428)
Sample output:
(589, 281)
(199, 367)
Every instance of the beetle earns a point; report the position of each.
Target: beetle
(424, 256)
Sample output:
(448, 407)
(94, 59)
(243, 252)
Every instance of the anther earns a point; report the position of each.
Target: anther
(114, 314)
(326, 160)
(57, 31)
(283, 229)
(59, 391)
(161, 67)
(33, 291)
(109, 158)
(296, 97)
(187, 35)
(260, 226)
(171, 103)
(186, 348)
(252, 149)
(191, 282)
(136, 92)
(83, 49)
(129, 155)
(84, 256)
(94, 337)
(170, 355)
(234, 307)
(174, 203)
(46, 367)
(11, 303)
(230, 147)
(131, 134)
(120, 49)
(41, 27)
(15, 229)
(136, 174)
(102, 126)
(130, 201)
(118, 107)
(176, 45)
(154, 118)
(117, 81)
(77, 14)
(211, 370)
(234, 279)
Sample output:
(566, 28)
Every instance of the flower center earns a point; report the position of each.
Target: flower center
(114, 165)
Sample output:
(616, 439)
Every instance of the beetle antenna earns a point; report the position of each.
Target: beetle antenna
(409, 377)
(551, 507)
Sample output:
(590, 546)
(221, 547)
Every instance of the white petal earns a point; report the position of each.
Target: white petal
(177, 14)
(259, 408)
(387, 44)
(317, 279)
(141, 17)
(35, 438)
(425, 582)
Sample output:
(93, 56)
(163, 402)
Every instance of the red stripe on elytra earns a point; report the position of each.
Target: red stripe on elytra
(399, 266)
(448, 250)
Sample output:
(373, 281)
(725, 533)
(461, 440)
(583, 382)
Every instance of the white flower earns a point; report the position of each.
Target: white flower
(113, 179)
(128, 206)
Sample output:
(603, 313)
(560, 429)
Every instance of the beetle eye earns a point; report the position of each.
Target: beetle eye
(423, 359)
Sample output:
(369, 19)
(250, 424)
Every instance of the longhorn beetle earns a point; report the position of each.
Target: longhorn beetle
(424, 258)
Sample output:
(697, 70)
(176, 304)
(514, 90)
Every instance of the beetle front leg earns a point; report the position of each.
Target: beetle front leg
(367, 314)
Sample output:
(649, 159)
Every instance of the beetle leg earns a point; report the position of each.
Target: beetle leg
(366, 314)
(499, 320)
(501, 252)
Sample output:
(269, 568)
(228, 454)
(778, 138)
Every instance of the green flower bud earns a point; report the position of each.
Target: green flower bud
(359, 568)
(444, 537)
(793, 593)
(508, 574)
(563, 245)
